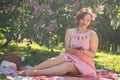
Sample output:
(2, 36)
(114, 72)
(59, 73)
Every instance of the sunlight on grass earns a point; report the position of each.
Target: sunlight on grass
(59, 48)
(36, 46)
(108, 60)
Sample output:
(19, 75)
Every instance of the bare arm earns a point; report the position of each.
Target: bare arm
(67, 40)
(93, 45)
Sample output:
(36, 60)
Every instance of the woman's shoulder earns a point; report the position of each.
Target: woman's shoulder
(93, 33)
(70, 30)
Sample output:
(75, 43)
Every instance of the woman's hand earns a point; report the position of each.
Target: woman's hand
(75, 50)
(80, 52)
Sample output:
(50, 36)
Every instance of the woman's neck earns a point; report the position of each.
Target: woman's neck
(82, 30)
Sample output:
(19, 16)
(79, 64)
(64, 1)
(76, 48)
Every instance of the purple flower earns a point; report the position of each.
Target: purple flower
(48, 9)
(31, 2)
(54, 23)
(52, 26)
(37, 9)
(36, 29)
(43, 7)
(41, 22)
(4, 7)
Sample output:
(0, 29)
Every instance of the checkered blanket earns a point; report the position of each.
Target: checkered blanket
(102, 74)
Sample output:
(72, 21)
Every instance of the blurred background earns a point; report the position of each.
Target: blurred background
(36, 28)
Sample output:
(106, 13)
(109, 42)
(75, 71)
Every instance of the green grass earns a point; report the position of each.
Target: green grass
(35, 54)
(108, 60)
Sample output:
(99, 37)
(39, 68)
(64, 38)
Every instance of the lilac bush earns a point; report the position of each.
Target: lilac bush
(41, 23)
(45, 21)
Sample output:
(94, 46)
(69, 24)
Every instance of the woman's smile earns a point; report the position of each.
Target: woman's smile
(84, 24)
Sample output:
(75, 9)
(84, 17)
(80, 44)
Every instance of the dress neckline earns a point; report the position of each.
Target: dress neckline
(81, 32)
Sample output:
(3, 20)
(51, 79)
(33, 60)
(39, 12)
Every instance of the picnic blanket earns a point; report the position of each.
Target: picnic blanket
(102, 74)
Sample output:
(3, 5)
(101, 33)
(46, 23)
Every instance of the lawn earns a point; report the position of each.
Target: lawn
(35, 54)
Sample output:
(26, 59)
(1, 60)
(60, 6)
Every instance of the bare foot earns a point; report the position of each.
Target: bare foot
(22, 73)
(32, 72)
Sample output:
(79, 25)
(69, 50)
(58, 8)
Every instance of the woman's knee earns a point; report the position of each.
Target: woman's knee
(69, 65)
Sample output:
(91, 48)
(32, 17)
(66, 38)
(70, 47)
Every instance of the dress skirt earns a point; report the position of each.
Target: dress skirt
(84, 67)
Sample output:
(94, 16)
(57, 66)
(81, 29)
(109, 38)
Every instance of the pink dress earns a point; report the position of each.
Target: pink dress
(84, 63)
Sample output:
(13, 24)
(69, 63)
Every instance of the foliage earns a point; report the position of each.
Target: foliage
(109, 26)
(3, 77)
(45, 21)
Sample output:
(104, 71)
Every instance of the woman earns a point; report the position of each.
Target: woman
(81, 44)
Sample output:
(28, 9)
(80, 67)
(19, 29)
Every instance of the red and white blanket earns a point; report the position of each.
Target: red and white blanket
(101, 75)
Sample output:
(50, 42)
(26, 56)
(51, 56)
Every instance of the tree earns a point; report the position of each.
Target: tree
(45, 21)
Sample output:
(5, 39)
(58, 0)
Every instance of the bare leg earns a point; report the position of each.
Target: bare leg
(51, 62)
(60, 69)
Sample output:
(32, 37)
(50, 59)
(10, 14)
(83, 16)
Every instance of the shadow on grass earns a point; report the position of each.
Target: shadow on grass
(38, 56)
(32, 56)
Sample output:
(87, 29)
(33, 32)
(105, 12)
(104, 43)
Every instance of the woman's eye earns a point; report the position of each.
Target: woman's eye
(88, 20)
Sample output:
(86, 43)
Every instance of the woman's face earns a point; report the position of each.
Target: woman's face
(86, 21)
